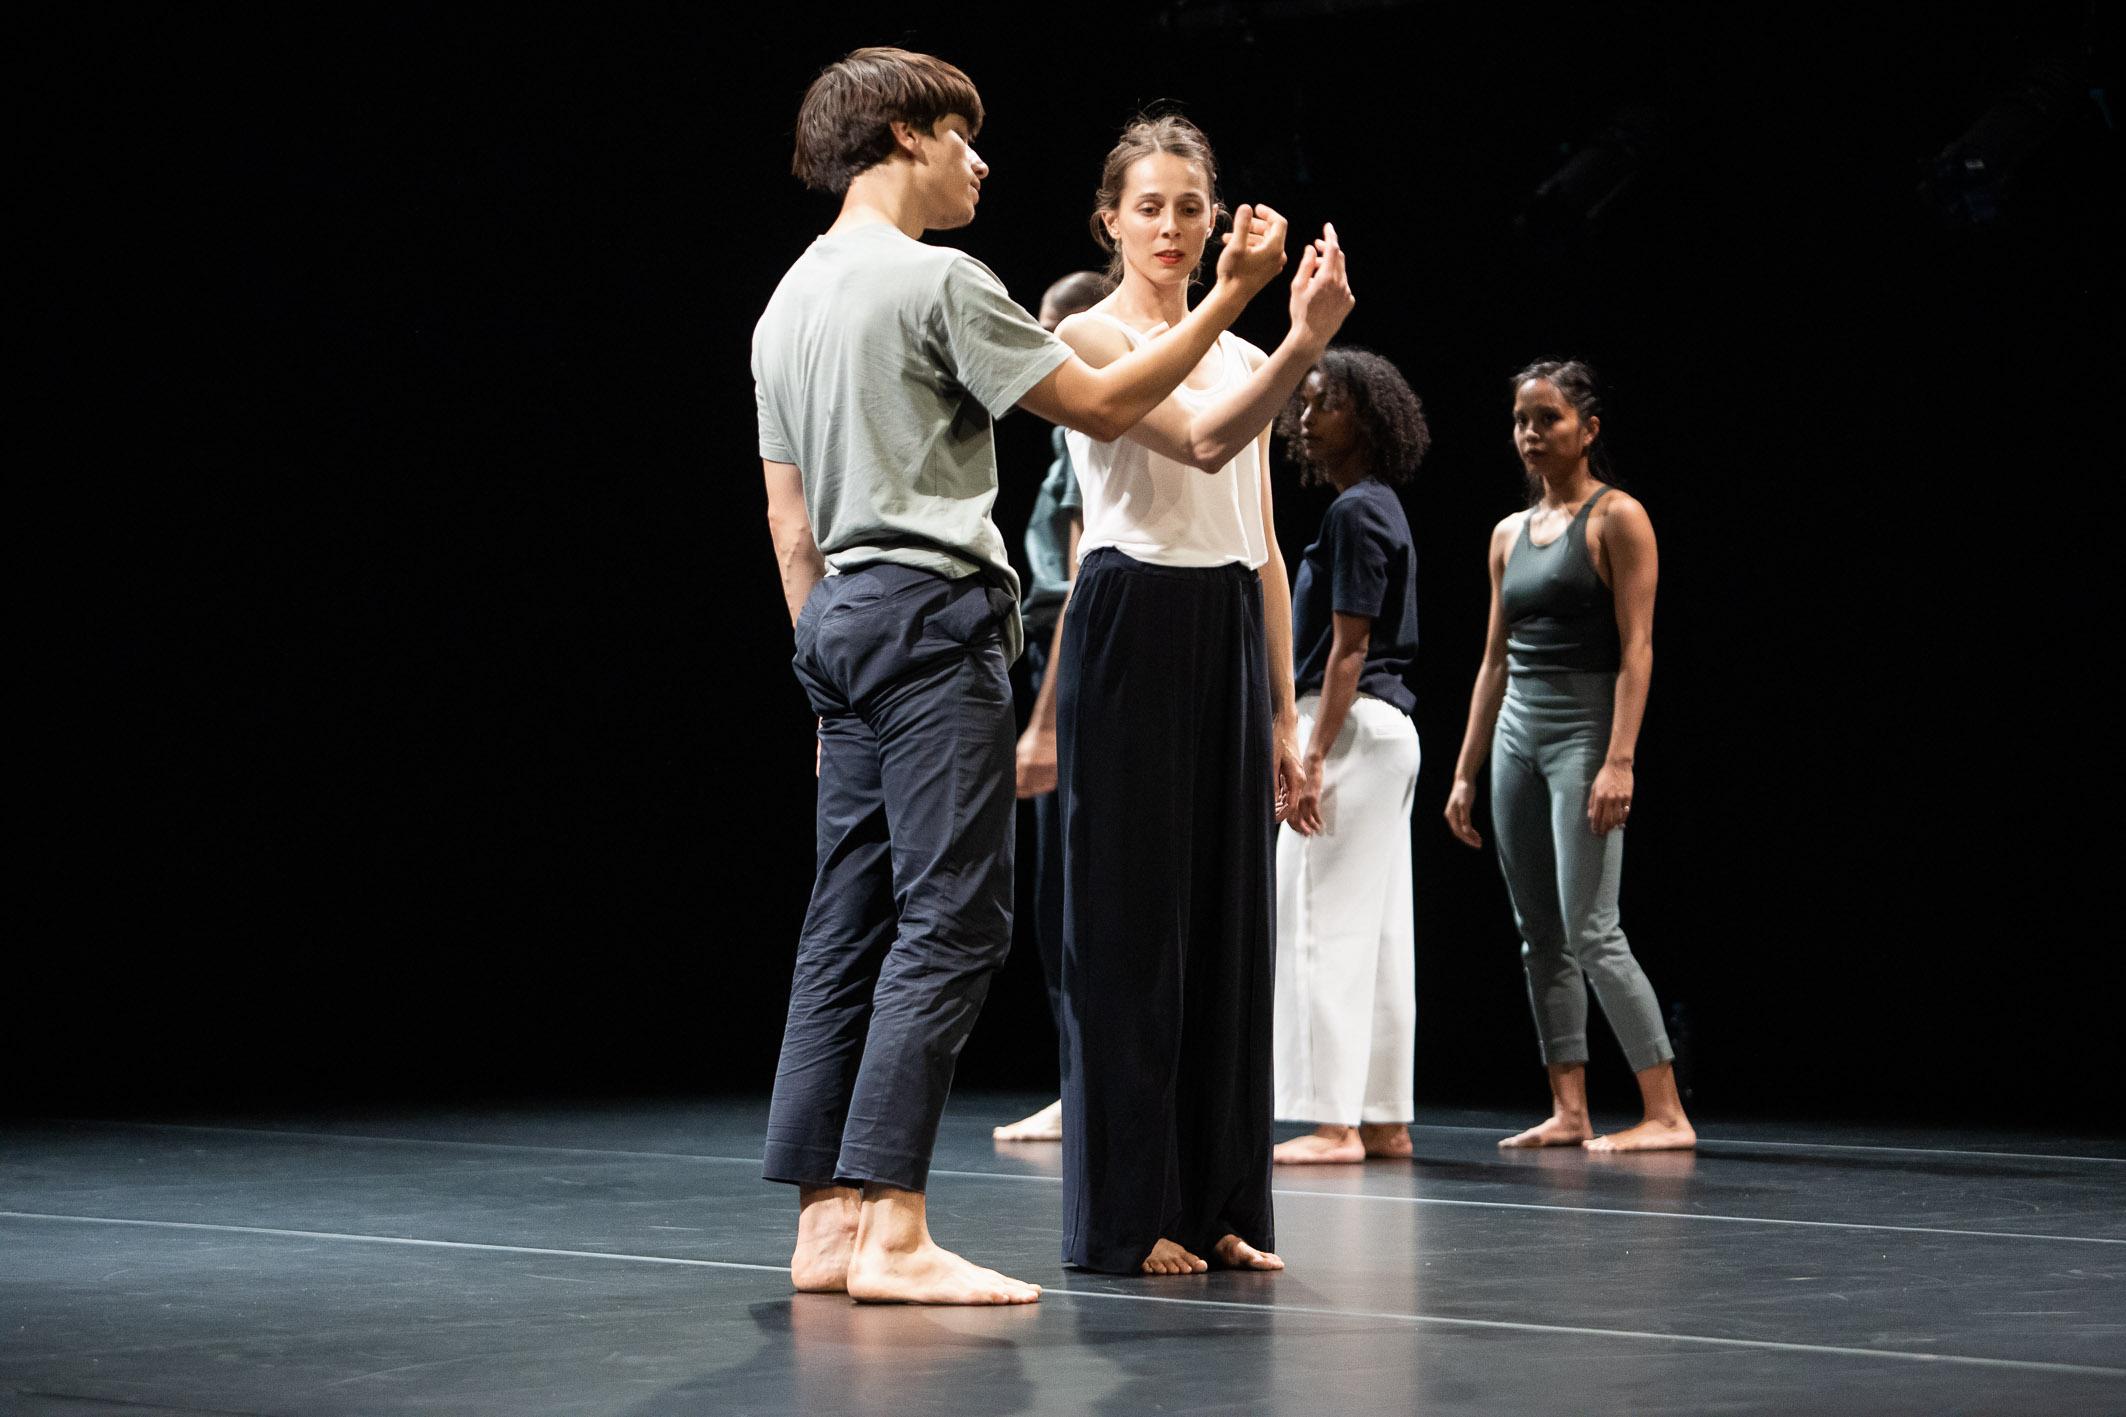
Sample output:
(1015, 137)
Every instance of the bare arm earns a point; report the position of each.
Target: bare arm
(1627, 542)
(1037, 745)
(1350, 636)
(1106, 402)
(1485, 698)
(796, 553)
(1277, 629)
(1209, 437)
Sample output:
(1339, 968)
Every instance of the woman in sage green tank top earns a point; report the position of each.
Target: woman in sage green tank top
(1557, 708)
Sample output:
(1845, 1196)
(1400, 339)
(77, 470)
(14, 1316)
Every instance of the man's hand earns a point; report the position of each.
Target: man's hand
(1254, 249)
(1036, 762)
(1321, 290)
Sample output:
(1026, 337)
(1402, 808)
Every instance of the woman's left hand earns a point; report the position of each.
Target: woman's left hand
(1609, 804)
(1290, 775)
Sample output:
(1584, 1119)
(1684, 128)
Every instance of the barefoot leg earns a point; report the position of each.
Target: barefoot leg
(896, 1262)
(826, 1232)
(1665, 1128)
(1326, 1143)
(1567, 1123)
(1235, 1253)
(1389, 1141)
(1169, 1258)
(1044, 1125)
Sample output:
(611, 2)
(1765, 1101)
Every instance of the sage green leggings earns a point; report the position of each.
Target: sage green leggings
(1551, 738)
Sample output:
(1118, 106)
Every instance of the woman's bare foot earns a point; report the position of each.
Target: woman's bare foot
(1327, 1143)
(1236, 1253)
(1649, 1135)
(1388, 1140)
(896, 1262)
(1557, 1131)
(1169, 1258)
(826, 1232)
(1044, 1125)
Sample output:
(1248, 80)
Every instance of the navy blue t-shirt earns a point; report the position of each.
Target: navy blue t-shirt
(1362, 564)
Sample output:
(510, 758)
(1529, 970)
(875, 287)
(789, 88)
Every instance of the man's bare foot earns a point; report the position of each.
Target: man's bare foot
(1387, 1140)
(1236, 1253)
(826, 1232)
(1649, 1135)
(931, 1274)
(1044, 1125)
(1169, 1258)
(1328, 1144)
(1557, 1131)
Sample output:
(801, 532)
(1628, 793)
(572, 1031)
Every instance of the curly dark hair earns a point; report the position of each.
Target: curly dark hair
(1391, 418)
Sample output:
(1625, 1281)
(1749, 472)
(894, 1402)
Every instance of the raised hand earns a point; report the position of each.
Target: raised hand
(1254, 248)
(1321, 289)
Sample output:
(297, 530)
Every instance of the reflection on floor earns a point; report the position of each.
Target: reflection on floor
(628, 1259)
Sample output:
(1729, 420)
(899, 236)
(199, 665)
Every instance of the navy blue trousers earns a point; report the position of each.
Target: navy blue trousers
(911, 905)
(1163, 739)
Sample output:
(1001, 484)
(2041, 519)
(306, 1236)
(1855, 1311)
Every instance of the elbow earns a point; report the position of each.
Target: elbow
(1208, 457)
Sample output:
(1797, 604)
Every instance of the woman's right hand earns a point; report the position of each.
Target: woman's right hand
(1254, 248)
(1461, 802)
(1321, 289)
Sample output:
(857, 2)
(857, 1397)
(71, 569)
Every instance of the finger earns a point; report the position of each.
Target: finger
(1243, 223)
(1305, 273)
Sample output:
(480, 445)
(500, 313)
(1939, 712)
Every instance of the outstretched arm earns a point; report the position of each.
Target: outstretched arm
(797, 555)
(1484, 700)
(1634, 568)
(1208, 438)
(1105, 402)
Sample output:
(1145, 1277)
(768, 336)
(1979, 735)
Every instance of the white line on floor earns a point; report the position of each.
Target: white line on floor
(1269, 1310)
(1056, 1180)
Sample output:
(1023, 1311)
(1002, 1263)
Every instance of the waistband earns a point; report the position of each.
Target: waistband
(1108, 558)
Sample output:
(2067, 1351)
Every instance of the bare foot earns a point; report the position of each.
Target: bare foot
(826, 1233)
(1557, 1131)
(931, 1274)
(1236, 1253)
(1388, 1140)
(1169, 1258)
(1044, 1125)
(1328, 1143)
(1649, 1135)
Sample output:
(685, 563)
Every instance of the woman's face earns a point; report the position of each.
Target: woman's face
(1164, 219)
(1548, 432)
(1327, 429)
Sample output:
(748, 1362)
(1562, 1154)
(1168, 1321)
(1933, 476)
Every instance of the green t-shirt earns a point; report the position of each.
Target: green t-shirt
(877, 368)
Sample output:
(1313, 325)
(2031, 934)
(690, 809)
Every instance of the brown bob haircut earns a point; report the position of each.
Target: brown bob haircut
(845, 124)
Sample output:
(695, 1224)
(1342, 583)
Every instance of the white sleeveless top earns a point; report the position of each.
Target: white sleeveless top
(1166, 512)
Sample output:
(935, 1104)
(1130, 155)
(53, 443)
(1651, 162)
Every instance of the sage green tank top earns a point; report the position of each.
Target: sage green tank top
(1559, 615)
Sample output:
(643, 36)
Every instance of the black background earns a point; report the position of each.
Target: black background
(414, 713)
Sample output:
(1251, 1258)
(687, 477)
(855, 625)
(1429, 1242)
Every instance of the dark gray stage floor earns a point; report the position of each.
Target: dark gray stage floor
(627, 1259)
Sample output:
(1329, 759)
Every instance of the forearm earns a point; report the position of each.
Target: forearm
(798, 559)
(1484, 701)
(1277, 616)
(1339, 690)
(1043, 719)
(1635, 675)
(1218, 433)
(1132, 386)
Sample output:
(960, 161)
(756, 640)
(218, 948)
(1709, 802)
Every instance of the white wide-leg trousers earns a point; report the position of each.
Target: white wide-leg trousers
(1346, 1010)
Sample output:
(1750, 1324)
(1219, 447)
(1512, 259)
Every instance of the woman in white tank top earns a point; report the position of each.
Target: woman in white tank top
(1177, 742)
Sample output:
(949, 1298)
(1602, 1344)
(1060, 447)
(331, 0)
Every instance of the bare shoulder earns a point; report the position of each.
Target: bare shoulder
(1251, 353)
(1624, 511)
(1094, 341)
(1509, 527)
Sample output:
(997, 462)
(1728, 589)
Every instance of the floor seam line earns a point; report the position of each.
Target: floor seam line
(1267, 1310)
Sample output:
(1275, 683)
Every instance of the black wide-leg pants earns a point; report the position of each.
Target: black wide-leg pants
(911, 905)
(1163, 745)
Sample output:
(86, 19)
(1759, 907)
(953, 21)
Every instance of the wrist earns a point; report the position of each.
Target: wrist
(1621, 761)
